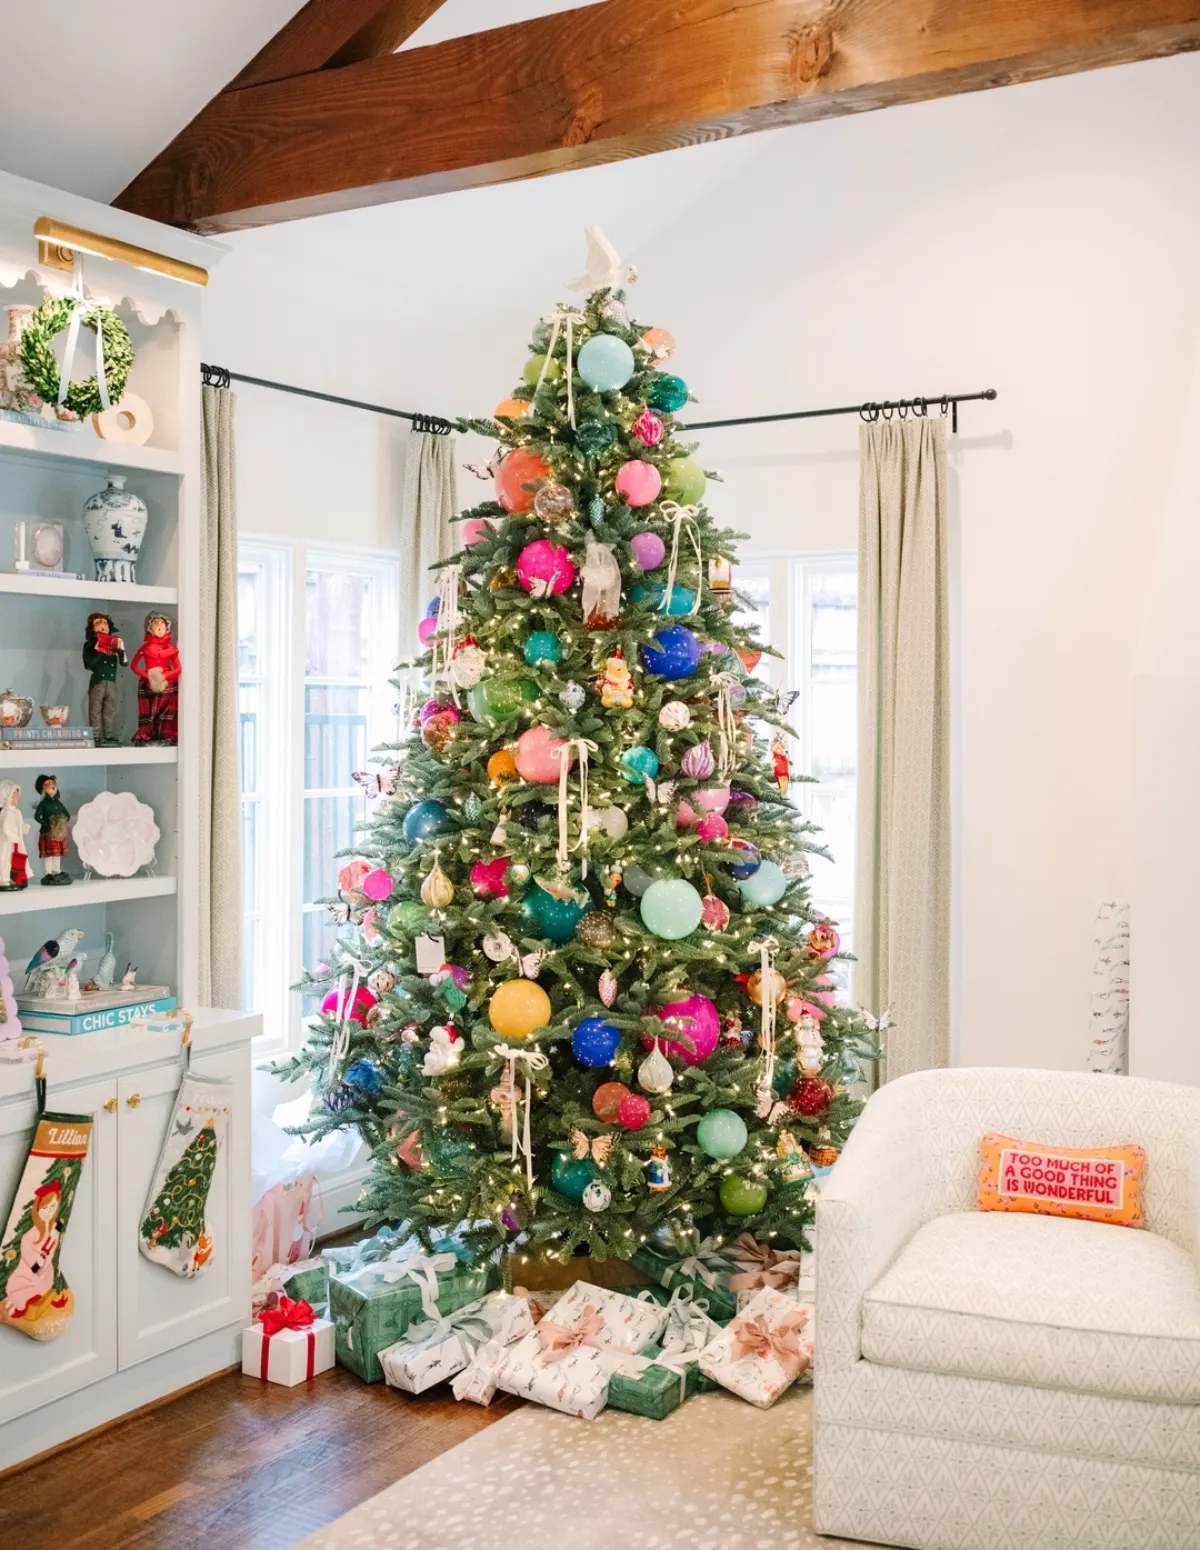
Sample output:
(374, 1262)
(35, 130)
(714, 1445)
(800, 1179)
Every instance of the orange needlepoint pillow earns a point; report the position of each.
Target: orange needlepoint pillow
(1093, 1183)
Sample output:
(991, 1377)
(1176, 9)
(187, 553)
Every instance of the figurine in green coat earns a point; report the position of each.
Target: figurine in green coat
(52, 818)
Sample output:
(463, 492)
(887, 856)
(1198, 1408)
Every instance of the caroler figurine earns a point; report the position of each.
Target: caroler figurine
(52, 818)
(157, 664)
(103, 653)
(14, 858)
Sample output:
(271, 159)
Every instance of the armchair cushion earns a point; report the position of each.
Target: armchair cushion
(1071, 1305)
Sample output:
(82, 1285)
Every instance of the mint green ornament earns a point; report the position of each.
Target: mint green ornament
(605, 363)
(721, 1133)
(671, 909)
(638, 764)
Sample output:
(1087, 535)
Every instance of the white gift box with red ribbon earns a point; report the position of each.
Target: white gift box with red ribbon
(288, 1350)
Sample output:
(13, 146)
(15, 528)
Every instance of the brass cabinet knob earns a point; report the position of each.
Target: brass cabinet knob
(133, 1100)
(111, 1106)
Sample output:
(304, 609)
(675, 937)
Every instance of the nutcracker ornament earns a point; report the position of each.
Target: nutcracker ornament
(14, 858)
(156, 662)
(103, 653)
(52, 819)
(616, 687)
(781, 764)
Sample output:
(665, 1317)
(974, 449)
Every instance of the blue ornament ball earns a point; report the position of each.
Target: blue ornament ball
(594, 1042)
(426, 819)
(363, 1073)
(721, 1133)
(542, 646)
(766, 887)
(671, 909)
(605, 363)
(432, 611)
(571, 1175)
(337, 1099)
(638, 764)
(748, 862)
(673, 653)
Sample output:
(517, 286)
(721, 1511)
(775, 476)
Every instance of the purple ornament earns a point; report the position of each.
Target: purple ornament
(459, 975)
(698, 763)
(648, 550)
(744, 802)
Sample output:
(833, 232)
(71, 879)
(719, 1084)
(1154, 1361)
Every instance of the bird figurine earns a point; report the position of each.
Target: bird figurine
(56, 953)
(604, 266)
(106, 969)
(129, 978)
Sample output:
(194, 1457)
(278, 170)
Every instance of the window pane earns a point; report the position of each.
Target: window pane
(329, 825)
(249, 620)
(336, 624)
(248, 703)
(250, 860)
(252, 960)
(335, 735)
(834, 730)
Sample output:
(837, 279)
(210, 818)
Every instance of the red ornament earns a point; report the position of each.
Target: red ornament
(356, 1012)
(810, 1097)
(714, 913)
(519, 468)
(607, 1101)
(488, 878)
(634, 1111)
(649, 428)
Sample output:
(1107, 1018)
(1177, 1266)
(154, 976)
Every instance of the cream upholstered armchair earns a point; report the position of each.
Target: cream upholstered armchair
(994, 1381)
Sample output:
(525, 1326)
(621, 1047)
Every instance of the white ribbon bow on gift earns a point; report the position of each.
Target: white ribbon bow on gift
(412, 1263)
(80, 312)
(696, 1267)
(688, 1327)
(534, 1060)
(677, 1362)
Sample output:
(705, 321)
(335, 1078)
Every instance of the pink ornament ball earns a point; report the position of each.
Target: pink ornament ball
(649, 428)
(685, 814)
(637, 482)
(377, 884)
(712, 827)
(350, 878)
(826, 997)
(364, 1000)
(797, 1008)
(698, 1019)
(538, 760)
(545, 569)
(648, 550)
(432, 708)
(426, 630)
(475, 530)
(633, 1111)
(713, 799)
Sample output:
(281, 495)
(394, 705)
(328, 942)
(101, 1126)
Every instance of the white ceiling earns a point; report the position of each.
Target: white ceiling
(90, 93)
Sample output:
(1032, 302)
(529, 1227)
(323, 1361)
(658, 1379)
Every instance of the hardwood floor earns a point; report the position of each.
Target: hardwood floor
(235, 1465)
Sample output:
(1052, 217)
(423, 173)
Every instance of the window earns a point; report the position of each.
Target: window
(318, 640)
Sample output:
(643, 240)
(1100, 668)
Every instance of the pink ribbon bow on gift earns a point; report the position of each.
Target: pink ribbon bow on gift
(755, 1337)
(763, 1265)
(557, 1341)
(287, 1315)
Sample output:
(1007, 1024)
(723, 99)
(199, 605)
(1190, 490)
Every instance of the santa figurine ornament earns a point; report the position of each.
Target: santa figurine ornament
(157, 664)
(14, 858)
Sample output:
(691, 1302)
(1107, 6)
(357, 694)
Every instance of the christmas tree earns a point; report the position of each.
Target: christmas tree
(582, 997)
(179, 1205)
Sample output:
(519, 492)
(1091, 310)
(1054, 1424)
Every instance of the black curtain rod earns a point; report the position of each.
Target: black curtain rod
(901, 408)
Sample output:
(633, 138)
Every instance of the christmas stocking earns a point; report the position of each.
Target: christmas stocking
(174, 1232)
(34, 1297)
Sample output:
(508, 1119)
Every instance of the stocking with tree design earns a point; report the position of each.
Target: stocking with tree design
(34, 1295)
(174, 1231)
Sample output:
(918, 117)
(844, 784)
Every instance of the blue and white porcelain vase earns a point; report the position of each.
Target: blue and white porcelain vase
(114, 520)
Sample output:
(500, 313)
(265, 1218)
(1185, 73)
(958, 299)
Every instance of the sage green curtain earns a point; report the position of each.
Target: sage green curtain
(426, 535)
(220, 922)
(902, 893)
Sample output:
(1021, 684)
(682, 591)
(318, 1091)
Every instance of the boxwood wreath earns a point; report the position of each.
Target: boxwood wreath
(41, 367)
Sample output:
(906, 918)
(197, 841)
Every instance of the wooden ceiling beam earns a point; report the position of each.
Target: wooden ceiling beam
(329, 33)
(623, 78)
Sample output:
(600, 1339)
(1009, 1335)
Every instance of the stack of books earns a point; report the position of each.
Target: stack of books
(46, 737)
(96, 1011)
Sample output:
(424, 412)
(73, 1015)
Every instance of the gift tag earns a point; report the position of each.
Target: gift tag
(431, 954)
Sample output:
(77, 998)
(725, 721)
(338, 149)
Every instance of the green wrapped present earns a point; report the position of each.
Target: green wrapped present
(380, 1287)
(652, 1384)
(309, 1282)
(705, 1274)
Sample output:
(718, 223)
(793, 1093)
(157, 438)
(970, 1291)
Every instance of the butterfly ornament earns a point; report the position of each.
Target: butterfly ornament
(378, 783)
(599, 1147)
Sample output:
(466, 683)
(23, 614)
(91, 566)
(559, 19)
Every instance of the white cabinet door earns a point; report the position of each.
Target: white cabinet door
(158, 1309)
(34, 1372)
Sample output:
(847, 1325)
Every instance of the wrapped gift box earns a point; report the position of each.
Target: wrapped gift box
(763, 1351)
(435, 1350)
(477, 1382)
(309, 1280)
(289, 1355)
(759, 1265)
(567, 1361)
(375, 1294)
(688, 1328)
(653, 1384)
(705, 1274)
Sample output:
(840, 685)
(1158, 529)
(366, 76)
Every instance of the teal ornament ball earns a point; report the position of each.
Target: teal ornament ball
(605, 363)
(450, 1151)
(721, 1133)
(765, 887)
(671, 909)
(685, 480)
(425, 820)
(638, 764)
(542, 646)
(742, 1197)
(594, 437)
(571, 1175)
(651, 593)
(553, 918)
(668, 393)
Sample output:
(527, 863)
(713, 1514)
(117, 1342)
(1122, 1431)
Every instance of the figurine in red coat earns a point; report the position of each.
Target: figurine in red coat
(157, 664)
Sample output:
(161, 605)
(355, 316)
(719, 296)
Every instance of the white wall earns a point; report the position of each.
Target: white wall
(1041, 240)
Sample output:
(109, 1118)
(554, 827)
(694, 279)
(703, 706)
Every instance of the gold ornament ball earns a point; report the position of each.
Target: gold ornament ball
(502, 766)
(517, 1008)
(596, 930)
(754, 986)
